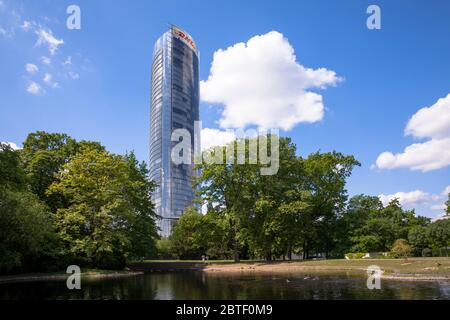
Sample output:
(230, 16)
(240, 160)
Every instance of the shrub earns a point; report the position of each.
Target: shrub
(401, 248)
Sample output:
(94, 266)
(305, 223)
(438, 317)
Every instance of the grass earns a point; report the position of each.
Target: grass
(410, 266)
(439, 266)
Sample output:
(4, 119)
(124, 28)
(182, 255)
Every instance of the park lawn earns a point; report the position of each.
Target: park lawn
(400, 267)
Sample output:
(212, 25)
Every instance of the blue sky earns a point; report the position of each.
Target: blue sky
(102, 91)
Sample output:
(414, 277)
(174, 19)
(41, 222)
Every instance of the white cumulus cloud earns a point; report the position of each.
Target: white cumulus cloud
(406, 198)
(446, 191)
(214, 137)
(438, 207)
(46, 60)
(48, 79)
(12, 145)
(261, 83)
(27, 25)
(432, 123)
(31, 68)
(35, 88)
(46, 38)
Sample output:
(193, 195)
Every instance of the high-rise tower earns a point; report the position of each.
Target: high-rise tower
(174, 105)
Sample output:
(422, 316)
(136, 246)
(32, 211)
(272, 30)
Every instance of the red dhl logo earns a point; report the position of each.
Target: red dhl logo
(186, 38)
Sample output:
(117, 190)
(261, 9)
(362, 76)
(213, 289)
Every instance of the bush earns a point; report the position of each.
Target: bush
(401, 248)
(164, 248)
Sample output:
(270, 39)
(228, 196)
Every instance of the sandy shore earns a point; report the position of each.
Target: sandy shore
(408, 270)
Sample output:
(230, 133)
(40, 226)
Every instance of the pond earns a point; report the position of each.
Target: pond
(198, 285)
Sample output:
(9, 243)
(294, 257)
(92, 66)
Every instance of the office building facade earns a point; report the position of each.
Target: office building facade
(174, 105)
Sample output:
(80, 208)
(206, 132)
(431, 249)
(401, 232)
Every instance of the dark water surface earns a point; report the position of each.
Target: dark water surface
(197, 285)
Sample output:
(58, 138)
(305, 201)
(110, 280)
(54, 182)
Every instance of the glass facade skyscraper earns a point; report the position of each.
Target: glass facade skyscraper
(174, 105)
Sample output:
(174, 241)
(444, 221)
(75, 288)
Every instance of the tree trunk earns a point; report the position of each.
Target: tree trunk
(304, 249)
(289, 253)
(236, 250)
(234, 242)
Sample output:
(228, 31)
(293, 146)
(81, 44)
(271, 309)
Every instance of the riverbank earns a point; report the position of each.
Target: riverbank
(432, 269)
(89, 274)
(412, 269)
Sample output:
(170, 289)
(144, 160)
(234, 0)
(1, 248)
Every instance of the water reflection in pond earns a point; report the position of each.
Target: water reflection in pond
(197, 285)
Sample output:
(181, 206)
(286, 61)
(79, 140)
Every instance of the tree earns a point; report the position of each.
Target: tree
(359, 210)
(11, 173)
(43, 155)
(273, 215)
(164, 248)
(383, 225)
(268, 228)
(418, 237)
(245, 199)
(196, 235)
(186, 239)
(109, 216)
(439, 235)
(142, 223)
(227, 188)
(325, 177)
(27, 238)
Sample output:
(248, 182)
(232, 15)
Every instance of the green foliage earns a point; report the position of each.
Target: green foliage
(164, 248)
(196, 235)
(296, 210)
(374, 228)
(43, 155)
(439, 235)
(67, 202)
(27, 238)
(186, 238)
(11, 173)
(63, 201)
(418, 237)
(109, 217)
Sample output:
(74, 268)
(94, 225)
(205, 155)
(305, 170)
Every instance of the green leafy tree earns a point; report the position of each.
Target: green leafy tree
(418, 237)
(383, 225)
(265, 223)
(164, 248)
(325, 178)
(27, 238)
(228, 189)
(43, 156)
(360, 209)
(439, 235)
(186, 238)
(107, 203)
(11, 173)
(142, 222)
